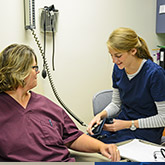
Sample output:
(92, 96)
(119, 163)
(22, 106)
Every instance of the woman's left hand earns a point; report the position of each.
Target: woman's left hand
(117, 125)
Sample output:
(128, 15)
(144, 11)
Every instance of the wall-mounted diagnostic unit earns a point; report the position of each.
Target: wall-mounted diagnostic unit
(49, 19)
(29, 14)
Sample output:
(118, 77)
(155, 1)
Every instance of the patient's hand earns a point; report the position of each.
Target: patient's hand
(110, 151)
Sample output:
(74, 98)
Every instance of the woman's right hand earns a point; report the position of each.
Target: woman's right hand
(96, 120)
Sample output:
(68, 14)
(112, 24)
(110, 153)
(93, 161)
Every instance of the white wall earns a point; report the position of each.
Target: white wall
(83, 65)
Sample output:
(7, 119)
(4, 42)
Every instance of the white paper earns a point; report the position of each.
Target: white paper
(161, 9)
(141, 152)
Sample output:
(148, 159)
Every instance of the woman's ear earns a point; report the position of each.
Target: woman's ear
(133, 51)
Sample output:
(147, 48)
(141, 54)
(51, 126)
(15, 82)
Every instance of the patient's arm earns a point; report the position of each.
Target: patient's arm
(86, 143)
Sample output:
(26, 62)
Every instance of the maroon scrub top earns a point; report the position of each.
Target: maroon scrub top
(37, 133)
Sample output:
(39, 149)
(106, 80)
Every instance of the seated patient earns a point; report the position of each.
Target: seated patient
(33, 128)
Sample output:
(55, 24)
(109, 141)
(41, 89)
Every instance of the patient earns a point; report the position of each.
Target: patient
(33, 128)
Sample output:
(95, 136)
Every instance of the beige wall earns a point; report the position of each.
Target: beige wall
(83, 66)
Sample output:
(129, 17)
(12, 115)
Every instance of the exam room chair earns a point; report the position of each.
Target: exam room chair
(102, 99)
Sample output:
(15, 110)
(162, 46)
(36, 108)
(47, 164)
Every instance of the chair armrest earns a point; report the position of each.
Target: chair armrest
(88, 157)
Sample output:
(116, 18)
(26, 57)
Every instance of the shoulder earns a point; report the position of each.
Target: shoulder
(154, 70)
(40, 97)
(41, 100)
(4, 98)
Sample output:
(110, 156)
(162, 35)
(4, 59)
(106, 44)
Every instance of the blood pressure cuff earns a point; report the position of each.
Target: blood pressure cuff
(98, 129)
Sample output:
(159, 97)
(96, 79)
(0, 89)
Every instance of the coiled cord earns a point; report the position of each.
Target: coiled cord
(51, 80)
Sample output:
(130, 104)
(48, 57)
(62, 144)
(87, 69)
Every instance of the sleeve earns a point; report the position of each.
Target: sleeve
(157, 88)
(114, 107)
(71, 132)
(156, 120)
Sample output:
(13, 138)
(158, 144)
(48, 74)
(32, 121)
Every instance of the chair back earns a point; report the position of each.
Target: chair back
(101, 100)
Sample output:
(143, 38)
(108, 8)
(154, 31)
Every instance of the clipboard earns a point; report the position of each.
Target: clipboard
(141, 151)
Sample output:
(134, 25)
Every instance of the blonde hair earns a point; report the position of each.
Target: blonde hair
(124, 39)
(15, 64)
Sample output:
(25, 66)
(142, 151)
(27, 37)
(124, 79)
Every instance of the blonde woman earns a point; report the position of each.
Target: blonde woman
(138, 91)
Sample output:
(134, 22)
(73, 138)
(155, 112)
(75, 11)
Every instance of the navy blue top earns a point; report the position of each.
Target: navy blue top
(138, 97)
